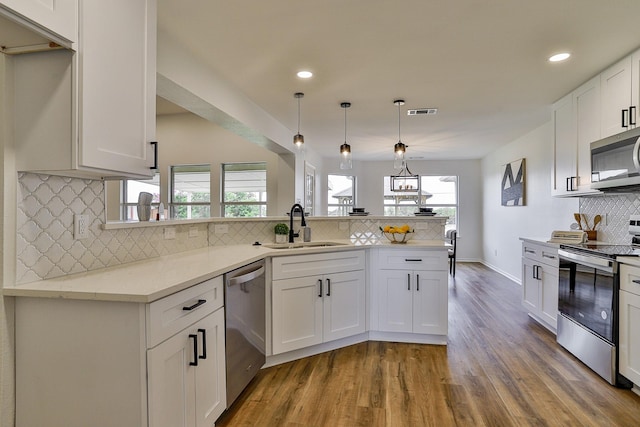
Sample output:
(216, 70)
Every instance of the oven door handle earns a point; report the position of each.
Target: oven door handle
(588, 261)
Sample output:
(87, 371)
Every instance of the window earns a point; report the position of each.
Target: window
(190, 191)
(341, 194)
(437, 192)
(244, 190)
(131, 188)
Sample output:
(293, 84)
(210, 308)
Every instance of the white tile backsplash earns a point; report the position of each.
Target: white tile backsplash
(617, 209)
(45, 246)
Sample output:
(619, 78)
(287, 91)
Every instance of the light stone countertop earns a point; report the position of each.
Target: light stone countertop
(152, 279)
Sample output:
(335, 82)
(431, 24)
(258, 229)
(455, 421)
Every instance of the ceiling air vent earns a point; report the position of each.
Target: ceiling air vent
(422, 112)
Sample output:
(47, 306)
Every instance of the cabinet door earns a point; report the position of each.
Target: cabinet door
(530, 286)
(430, 313)
(616, 96)
(57, 16)
(297, 313)
(171, 382)
(210, 380)
(549, 295)
(395, 301)
(344, 305)
(635, 85)
(586, 106)
(117, 85)
(630, 336)
(564, 145)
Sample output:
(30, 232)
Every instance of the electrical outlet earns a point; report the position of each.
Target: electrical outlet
(169, 233)
(193, 231)
(80, 226)
(221, 229)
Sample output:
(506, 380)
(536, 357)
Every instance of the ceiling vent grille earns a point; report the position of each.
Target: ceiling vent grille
(422, 112)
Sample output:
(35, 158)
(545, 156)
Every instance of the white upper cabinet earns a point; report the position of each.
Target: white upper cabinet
(92, 113)
(57, 16)
(619, 102)
(576, 124)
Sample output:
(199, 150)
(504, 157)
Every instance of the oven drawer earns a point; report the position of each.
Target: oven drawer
(540, 253)
(630, 278)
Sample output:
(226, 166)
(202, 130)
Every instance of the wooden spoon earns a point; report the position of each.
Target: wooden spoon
(578, 220)
(596, 221)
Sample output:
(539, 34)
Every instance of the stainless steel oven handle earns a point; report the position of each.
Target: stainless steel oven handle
(589, 261)
(246, 277)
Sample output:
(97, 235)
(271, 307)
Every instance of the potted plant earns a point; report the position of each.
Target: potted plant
(282, 233)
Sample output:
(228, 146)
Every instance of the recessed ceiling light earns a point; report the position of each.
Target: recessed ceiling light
(305, 74)
(559, 57)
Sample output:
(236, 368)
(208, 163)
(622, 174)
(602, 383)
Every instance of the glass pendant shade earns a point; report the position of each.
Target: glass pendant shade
(298, 140)
(345, 156)
(398, 155)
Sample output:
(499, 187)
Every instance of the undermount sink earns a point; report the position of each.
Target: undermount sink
(301, 245)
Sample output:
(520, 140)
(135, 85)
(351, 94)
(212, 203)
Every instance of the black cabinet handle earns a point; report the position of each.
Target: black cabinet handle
(194, 337)
(636, 281)
(204, 343)
(408, 282)
(632, 115)
(196, 305)
(413, 259)
(328, 287)
(320, 293)
(155, 154)
(418, 282)
(624, 120)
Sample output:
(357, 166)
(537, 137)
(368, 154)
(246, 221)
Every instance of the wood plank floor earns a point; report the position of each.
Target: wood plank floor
(499, 369)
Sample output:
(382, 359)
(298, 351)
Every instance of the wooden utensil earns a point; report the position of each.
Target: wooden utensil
(596, 221)
(578, 220)
(586, 223)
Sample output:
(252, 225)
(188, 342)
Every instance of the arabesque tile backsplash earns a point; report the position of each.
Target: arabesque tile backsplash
(617, 209)
(45, 247)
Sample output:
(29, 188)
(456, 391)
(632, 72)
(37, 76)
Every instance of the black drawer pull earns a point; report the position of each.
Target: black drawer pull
(196, 305)
(413, 259)
(204, 343)
(194, 337)
(636, 281)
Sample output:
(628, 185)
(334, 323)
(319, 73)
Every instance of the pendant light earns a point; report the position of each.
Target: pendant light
(399, 149)
(345, 149)
(405, 181)
(298, 139)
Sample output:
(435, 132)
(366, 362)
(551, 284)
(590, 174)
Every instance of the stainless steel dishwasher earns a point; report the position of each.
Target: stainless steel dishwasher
(244, 303)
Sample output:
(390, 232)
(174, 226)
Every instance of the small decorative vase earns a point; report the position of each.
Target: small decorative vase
(281, 238)
(144, 212)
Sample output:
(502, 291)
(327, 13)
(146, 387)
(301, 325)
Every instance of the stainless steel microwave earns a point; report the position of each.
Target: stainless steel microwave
(615, 162)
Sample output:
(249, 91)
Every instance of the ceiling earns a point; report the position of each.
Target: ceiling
(482, 63)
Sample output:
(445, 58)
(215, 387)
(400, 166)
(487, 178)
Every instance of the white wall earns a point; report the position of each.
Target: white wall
(369, 194)
(503, 226)
(189, 139)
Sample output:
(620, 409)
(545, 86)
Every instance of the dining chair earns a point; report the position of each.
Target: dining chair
(451, 236)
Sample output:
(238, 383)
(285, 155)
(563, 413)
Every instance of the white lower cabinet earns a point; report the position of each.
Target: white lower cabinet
(312, 309)
(185, 387)
(105, 363)
(540, 282)
(629, 343)
(412, 291)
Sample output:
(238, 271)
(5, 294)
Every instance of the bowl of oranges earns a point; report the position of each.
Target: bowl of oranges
(401, 234)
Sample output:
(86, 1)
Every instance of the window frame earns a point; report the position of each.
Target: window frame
(261, 204)
(125, 205)
(173, 204)
(340, 206)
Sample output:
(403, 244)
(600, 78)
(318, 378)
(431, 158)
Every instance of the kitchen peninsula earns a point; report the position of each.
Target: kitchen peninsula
(100, 332)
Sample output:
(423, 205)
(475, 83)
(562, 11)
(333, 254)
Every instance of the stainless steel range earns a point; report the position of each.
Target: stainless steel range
(588, 293)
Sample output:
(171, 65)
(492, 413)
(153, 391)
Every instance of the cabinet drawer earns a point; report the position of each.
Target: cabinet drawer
(628, 274)
(412, 259)
(170, 315)
(287, 267)
(540, 253)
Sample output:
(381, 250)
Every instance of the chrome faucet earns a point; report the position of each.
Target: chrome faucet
(302, 224)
